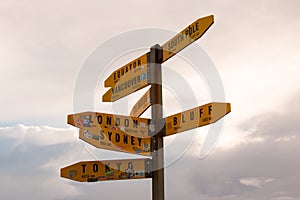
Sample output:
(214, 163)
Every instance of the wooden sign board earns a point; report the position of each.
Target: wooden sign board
(134, 126)
(116, 141)
(196, 117)
(113, 132)
(116, 75)
(141, 105)
(132, 81)
(92, 171)
(186, 37)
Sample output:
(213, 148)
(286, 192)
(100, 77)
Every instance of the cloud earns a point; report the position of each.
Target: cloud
(262, 165)
(251, 169)
(255, 182)
(31, 158)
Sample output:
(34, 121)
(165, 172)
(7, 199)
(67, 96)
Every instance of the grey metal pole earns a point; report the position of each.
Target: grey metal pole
(154, 62)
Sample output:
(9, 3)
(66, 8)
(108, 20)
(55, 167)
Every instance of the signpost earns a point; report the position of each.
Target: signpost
(141, 105)
(92, 171)
(139, 135)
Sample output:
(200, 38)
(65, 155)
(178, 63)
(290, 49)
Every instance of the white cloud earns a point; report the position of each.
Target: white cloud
(255, 182)
(248, 170)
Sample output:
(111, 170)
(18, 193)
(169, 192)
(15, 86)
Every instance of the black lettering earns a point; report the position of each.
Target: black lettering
(125, 139)
(132, 140)
(102, 135)
(108, 120)
(83, 168)
(117, 137)
(117, 121)
(109, 135)
(201, 112)
(186, 33)
(209, 109)
(126, 122)
(174, 121)
(99, 119)
(95, 167)
(183, 121)
(192, 116)
(140, 141)
(130, 165)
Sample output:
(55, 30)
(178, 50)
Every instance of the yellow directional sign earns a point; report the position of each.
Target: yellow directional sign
(142, 105)
(116, 75)
(196, 117)
(134, 80)
(116, 141)
(134, 126)
(92, 171)
(113, 132)
(186, 37)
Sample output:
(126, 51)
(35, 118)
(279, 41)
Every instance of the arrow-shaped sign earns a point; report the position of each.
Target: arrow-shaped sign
(186, 37)
(116, 141)
(116, 75)
(92, 171)
(113, 132)
(141, 105)
(196, 117)
(132, 81)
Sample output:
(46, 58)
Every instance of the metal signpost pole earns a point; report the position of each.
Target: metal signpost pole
(154, 63)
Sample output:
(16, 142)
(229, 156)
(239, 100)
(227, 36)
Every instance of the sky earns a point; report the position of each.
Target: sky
(254, 46)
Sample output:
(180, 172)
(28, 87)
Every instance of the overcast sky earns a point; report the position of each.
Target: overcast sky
(254, 46)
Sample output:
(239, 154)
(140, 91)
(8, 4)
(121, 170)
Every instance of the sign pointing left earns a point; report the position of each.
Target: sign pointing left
(92, 171)
(132, 81)
(113, 132)
(116, 75)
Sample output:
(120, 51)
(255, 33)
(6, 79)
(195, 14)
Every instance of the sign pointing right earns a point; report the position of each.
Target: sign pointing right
(196, 117)
(186, 37)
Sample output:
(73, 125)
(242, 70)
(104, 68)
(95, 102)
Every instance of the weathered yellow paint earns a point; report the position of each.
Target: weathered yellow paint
(132, 81)
(186, 37)
(137, 127)
(116, 75)
(196, 117)
(116, 141)
(92, 171)
(113, 132)
(141, 105)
